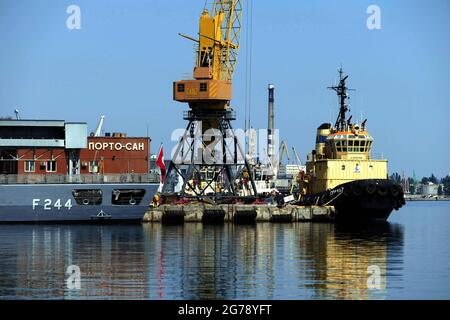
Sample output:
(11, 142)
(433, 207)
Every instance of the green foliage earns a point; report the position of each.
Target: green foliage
(440, 191)
(396, 178)
(446, 182)
(432, 179)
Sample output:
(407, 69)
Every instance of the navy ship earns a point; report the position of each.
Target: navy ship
(85, 202)
(342, 172)
(52, 171)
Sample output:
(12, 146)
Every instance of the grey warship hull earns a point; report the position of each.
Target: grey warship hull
(32, 203)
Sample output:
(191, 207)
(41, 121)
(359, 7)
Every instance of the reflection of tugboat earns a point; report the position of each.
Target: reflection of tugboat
(342, 173)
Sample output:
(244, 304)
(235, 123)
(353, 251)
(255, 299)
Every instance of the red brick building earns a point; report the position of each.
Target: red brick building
(58, 147)
(115, 155)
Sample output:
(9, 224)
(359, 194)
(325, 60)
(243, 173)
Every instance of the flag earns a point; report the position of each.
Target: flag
(160, 163)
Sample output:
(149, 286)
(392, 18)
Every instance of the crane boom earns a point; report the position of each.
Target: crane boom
(231, 30)
(299, 163)
(99, 127)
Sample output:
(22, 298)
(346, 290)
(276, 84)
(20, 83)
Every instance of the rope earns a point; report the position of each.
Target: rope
(333, 199)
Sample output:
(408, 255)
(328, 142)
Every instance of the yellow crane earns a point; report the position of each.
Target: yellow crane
(216, 56)
(226, 171)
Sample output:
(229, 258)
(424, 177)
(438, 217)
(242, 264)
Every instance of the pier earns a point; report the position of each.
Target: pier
(237, 213)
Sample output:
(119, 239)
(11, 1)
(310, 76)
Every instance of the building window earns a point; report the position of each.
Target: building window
(29, 166)
(203, 87)
(180, 87)
(93, 166)
(50, 166)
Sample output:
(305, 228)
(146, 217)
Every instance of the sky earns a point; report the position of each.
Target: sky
(123, 60)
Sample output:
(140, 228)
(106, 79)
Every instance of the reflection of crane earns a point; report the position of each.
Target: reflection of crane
(99, 127)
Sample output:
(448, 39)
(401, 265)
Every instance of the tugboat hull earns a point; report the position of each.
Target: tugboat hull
(370, 199)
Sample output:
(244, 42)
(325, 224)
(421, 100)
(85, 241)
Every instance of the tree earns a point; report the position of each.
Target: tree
(433, 179)
(446, 182)
(411, 185)
(425, 180)
(440, 191)
(396, 178)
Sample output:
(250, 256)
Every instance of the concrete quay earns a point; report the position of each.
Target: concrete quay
(239, 213)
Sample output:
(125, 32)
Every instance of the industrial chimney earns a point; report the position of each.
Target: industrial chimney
(271, 126)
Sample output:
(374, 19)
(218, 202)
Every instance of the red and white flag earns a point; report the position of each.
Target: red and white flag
(160, 163)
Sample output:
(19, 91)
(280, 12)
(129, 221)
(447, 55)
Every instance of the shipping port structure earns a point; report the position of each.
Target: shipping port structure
(202, 167)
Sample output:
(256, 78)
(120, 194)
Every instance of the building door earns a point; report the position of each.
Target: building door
(8, 161)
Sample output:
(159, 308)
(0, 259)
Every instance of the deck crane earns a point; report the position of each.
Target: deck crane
(299, 163)
(99, 127)
(208, 95)
(282, 150)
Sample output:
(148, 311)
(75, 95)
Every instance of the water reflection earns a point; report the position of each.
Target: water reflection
(195, 261)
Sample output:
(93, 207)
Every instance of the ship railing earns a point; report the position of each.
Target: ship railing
(78, 178)
(377, 156)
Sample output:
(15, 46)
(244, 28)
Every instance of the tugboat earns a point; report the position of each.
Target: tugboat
(341, 172)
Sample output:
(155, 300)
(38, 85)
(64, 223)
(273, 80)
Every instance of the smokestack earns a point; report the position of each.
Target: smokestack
(271, 125)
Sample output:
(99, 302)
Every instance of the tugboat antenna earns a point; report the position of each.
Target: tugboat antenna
(341, 91)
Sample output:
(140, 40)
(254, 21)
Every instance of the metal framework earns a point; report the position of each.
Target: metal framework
(227, 177)
(231, 30)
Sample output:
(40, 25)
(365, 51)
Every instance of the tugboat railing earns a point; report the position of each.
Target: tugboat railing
(78, 178)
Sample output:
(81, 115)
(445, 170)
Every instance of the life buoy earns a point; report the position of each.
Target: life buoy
(347, 191)
(382, 190)
(132, 201)
(395, 190)
(356, 190)
(371, 188)
(85, 202)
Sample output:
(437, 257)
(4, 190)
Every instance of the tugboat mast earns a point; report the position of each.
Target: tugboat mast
(341, 91)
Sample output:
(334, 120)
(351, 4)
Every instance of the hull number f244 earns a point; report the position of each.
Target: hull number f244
(49, 204)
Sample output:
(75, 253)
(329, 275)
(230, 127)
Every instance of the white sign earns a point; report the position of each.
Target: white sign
(129, 146)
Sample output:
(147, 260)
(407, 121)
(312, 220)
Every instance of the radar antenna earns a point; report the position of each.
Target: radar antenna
(341, 91)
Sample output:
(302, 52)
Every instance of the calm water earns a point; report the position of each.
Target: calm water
(262, 261)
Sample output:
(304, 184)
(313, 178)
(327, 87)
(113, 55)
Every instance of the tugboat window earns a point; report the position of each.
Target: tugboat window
(126, 197)
(86, 197)
(343, 167)
(203, 87)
